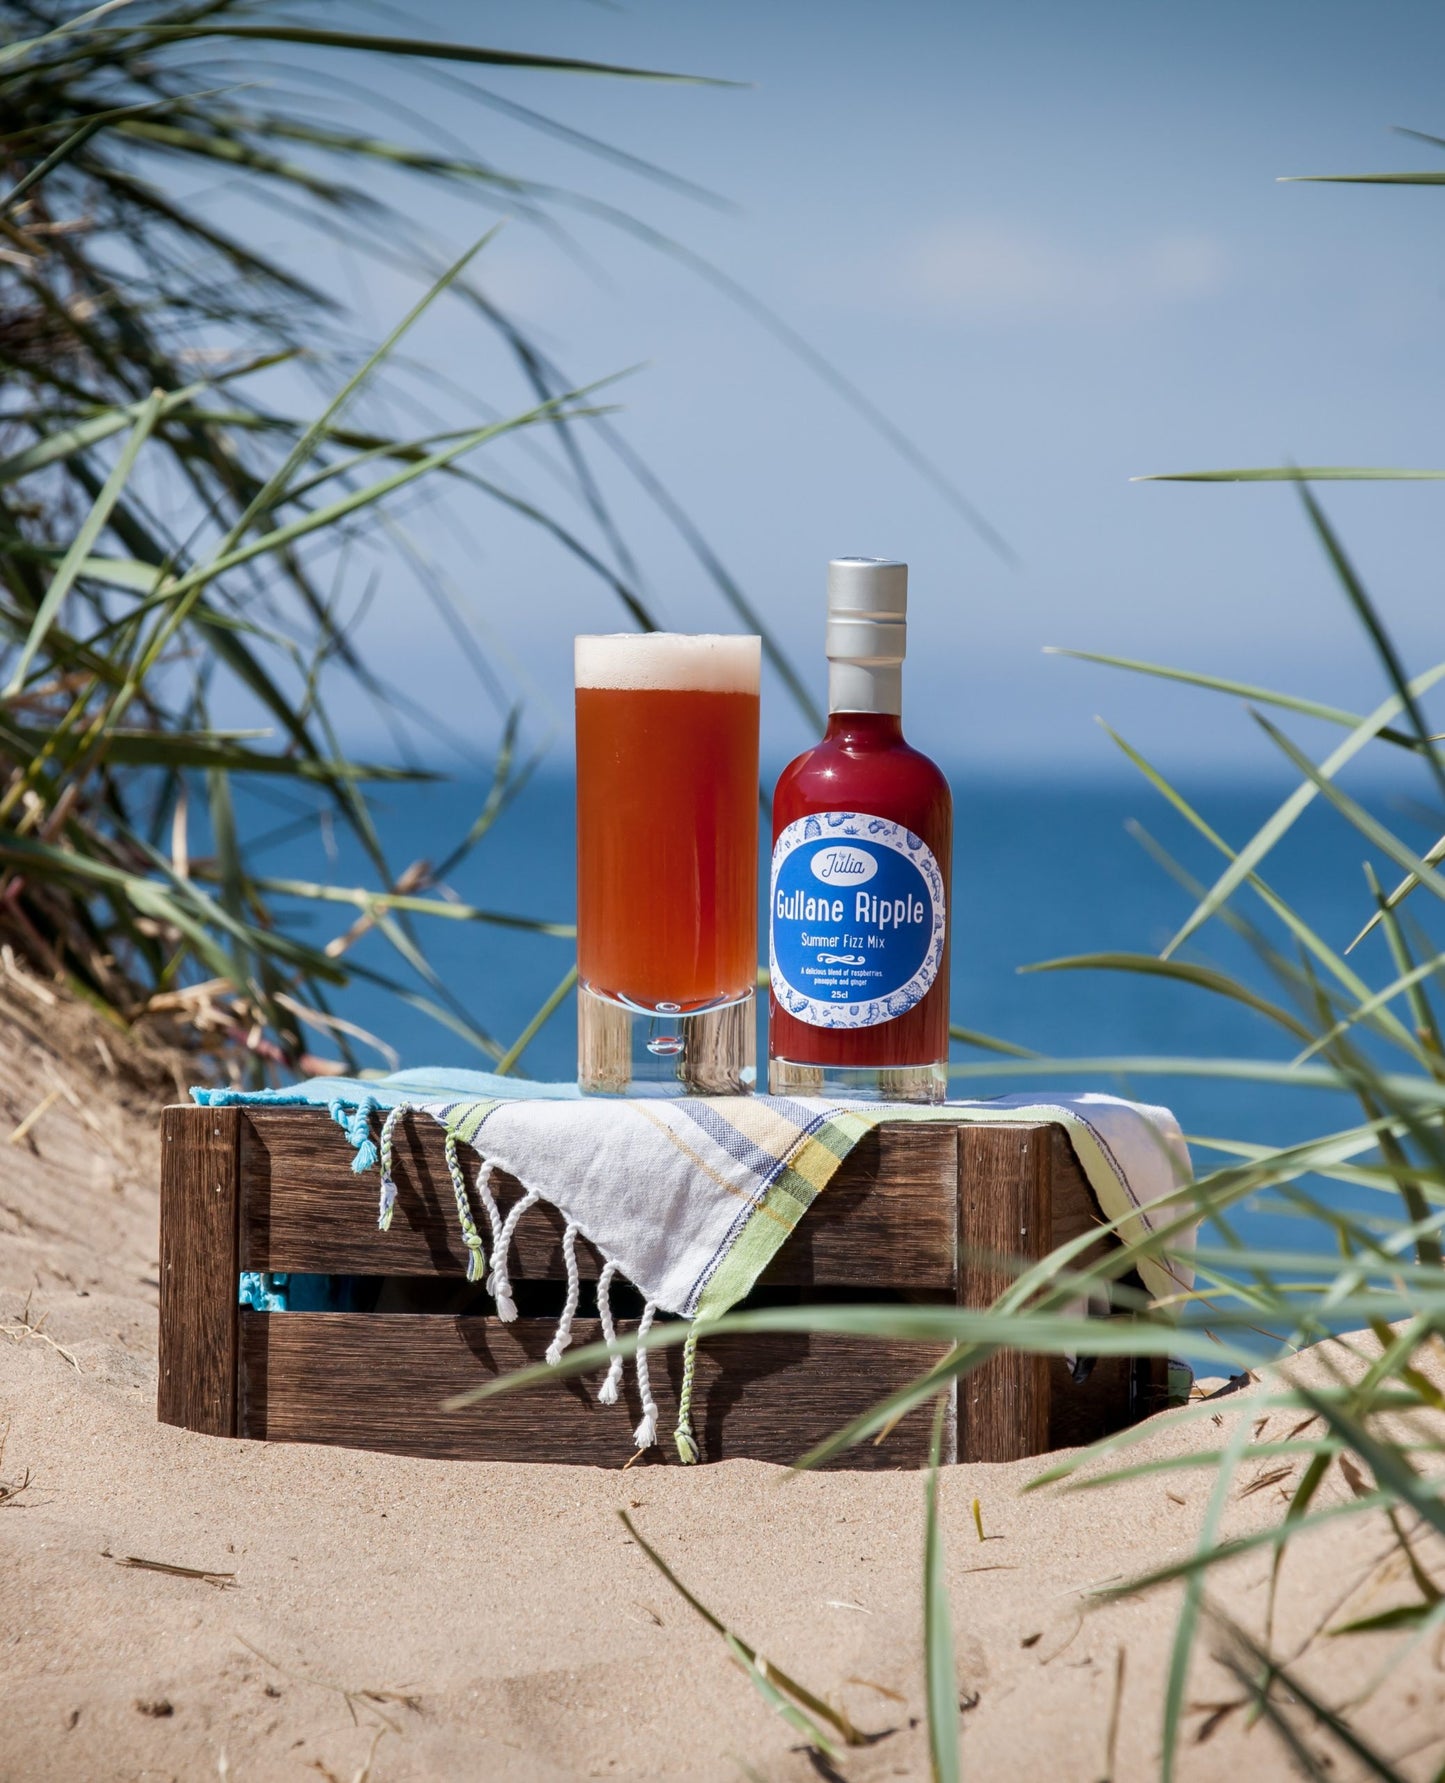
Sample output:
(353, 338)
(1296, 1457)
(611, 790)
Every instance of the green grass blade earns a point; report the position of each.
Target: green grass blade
(199, 749)
(375, 904)
(178, 902)
(76, 140)
(430, 48)
(1405, 984)
(1182, 972)
(1411, 977)
(355, 500)
(1272, 1536)
(388, 927)
(1039, 1334)
(1432, 857)
(132, 575)
(1241, 1070)
(25, 46)
(965, 1036)
(1246, 690)
(1383, 1457)
(1257, 1666)
(311, 438)
(802, 1696)
(1384, 645)
(1301, 931)
(534, 1027)
(1308, 473)
(80, 547)
(1186, 1626)
(1370, 827)
(938, 1661)
(757, 1673)
(1433, 178)
(1405, 1615)
(1434, 142)
(1277, 825)
(230, 874)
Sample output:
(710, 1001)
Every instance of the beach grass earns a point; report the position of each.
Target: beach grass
(123, 616)
(178, 533)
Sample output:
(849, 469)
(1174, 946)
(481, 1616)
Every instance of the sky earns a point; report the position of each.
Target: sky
(1048, 242)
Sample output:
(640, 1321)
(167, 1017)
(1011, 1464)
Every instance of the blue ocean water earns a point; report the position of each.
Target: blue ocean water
(1040, 871)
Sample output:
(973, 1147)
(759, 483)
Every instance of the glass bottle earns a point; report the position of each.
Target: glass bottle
(862, 856)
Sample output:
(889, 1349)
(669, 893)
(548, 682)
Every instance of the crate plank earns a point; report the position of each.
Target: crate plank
(887, 1219)
(375, 1381)
(1005, 1180)
(196, 1385)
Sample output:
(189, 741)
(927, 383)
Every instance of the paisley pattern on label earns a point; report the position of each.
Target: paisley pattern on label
(856, 920)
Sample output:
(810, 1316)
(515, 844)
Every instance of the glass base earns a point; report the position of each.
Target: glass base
(860, 1083)
(626, 1051)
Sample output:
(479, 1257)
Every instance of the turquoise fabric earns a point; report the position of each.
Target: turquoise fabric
(432, 1082)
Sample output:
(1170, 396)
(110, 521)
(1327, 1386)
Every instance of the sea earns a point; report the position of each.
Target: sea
(1042, 871)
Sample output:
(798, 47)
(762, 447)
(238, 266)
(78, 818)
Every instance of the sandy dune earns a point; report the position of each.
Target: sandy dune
(374, 1616)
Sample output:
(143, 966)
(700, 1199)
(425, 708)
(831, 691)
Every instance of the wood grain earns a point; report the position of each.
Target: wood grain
(199, 1193)
(375, 1381)
(927, 1211)
(1005, 1179)
(887, 1219)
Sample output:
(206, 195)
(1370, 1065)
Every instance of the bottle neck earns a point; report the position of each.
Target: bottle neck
(864, 730)
(875, 686)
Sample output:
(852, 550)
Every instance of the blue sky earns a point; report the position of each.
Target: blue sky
(1047, 240)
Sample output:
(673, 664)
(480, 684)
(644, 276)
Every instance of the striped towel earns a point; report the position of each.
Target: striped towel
(691, 1198)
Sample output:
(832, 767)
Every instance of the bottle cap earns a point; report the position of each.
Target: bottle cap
(867, 634)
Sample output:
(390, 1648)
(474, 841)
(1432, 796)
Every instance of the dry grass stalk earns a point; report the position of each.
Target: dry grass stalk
(365, 1698)
(28, 1327)
(223, 1580)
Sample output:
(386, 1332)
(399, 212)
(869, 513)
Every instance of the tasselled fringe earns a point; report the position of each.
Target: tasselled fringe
(357, 1124)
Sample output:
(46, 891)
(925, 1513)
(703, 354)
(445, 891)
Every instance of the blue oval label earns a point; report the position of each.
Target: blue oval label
(857, 923)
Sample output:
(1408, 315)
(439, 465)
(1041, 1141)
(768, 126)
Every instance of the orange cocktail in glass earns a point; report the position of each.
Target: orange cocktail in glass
(667, 839)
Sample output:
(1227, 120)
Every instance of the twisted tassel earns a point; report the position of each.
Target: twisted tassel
(645, 1434)
(388, 1182)
(358, 1132)
(687, 1449)
(471, 1238)
(494, 1216)
(607, 1392)
(501, 1281)
(569, 1311)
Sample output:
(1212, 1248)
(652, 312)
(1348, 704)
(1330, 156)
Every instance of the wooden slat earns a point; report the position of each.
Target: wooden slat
(375, 1381)
(197, 1380)
(1004, 1193)
(887, 1220)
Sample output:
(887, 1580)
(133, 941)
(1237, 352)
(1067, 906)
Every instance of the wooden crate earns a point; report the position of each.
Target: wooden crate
(917, 1212)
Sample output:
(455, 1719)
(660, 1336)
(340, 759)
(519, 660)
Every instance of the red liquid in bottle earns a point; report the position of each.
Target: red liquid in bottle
(864, 766)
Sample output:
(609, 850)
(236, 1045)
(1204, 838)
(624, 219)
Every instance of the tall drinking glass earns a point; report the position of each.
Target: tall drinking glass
(667, 863)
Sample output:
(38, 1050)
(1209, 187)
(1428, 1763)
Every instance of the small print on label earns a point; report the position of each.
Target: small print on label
(857, 919)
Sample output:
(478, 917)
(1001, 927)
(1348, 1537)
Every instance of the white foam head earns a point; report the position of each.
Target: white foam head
(655, 660)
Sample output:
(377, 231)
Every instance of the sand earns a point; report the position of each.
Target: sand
(367, 1616)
